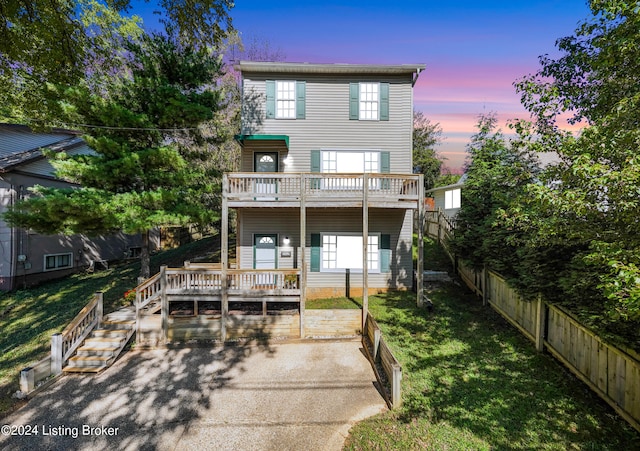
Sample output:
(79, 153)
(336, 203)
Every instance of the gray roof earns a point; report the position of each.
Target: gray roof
(267, 67)
(20, 145)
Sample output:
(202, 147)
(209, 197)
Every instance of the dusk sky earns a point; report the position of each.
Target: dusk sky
(473, 50)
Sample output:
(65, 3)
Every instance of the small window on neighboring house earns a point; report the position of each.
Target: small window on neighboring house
(452, 199)
(57, 261)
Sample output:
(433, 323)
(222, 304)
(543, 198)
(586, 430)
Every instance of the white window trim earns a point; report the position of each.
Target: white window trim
(363, 103)
(56, 268)
(333, 169)
(290, 98)
(353, 270)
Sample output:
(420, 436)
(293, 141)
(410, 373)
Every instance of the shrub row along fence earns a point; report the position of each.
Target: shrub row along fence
(383, 359)
(611, 371)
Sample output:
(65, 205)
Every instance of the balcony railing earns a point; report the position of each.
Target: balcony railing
(321, 186)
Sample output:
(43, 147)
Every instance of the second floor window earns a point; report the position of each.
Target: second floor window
(369, 101)
(285, 99)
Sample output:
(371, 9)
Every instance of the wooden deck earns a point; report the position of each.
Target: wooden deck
(321, 190)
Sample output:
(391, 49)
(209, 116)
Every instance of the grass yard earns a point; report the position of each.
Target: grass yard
(472, 382)
(29, 317)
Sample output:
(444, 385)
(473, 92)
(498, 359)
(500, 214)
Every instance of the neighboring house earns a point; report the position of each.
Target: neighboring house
(448, 198)
(327, 175)
(27, 258)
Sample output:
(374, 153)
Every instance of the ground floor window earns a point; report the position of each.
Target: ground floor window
(341, 252)
(57, 261)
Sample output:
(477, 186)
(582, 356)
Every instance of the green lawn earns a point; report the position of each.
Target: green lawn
(472, 382)
(29, 317)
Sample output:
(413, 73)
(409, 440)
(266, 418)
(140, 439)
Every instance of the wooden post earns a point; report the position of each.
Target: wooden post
(100, 306)
(164, 300)
(485, 285)
(347, 282)
(420, 262)
(27, 380)
(138, 302)
(56, 354)
(365, 248)
(303, 257)
(396, 379)
(541, 319)
(224, 258)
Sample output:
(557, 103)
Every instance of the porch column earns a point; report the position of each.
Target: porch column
(420, 263)
(365, 249)
(303, 258)
(224, 258)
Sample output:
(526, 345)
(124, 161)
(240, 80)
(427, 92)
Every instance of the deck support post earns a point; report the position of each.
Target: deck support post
(365, 249)
(420, 262)
(303, 259)
(224, 258)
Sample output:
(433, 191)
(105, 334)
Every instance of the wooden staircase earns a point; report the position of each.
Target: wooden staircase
(103, 346)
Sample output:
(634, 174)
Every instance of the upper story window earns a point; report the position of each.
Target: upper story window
(369, 101)
(286, 99)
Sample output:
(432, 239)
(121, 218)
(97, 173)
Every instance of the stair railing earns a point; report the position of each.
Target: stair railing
(64, 344)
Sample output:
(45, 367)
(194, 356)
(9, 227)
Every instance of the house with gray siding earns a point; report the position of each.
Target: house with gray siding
(448, 199)
(326, 175)
(26, 257)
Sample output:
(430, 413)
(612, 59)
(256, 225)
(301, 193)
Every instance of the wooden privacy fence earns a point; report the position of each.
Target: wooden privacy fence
(611, 371)
(380, 354)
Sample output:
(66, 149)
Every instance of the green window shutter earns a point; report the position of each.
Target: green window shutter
(301, 92)
(354, 101)
(385, 162)
(316, 248)
(384, 101)
(316, 162)
(385, 168)
(385, 252)
(271, 99)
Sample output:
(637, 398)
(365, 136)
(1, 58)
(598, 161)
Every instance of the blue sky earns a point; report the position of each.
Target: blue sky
(473, 50)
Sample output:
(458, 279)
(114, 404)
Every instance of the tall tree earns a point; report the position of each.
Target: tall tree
(426, 136)
(63, 41)
(498, 170)
(147, 169)
(594, 195)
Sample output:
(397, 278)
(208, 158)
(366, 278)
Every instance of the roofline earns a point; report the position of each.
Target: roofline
(268, 67)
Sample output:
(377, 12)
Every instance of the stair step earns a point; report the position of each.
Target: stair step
(102, 342)
(111, 333)
(124, 323)
(89, 351)
(89, 361)
(83, 369)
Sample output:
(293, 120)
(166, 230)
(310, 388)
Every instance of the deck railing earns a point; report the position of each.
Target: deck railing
(314, 186)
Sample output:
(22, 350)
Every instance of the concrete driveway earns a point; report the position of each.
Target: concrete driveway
(259, 396)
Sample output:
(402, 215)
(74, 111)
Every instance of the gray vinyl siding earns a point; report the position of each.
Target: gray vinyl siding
(327, 124)
(286, 222)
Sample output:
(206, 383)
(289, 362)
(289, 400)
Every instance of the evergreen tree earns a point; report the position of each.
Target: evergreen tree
(147, 129)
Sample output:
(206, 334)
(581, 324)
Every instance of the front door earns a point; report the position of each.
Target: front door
(265, 257)
(266, 162)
